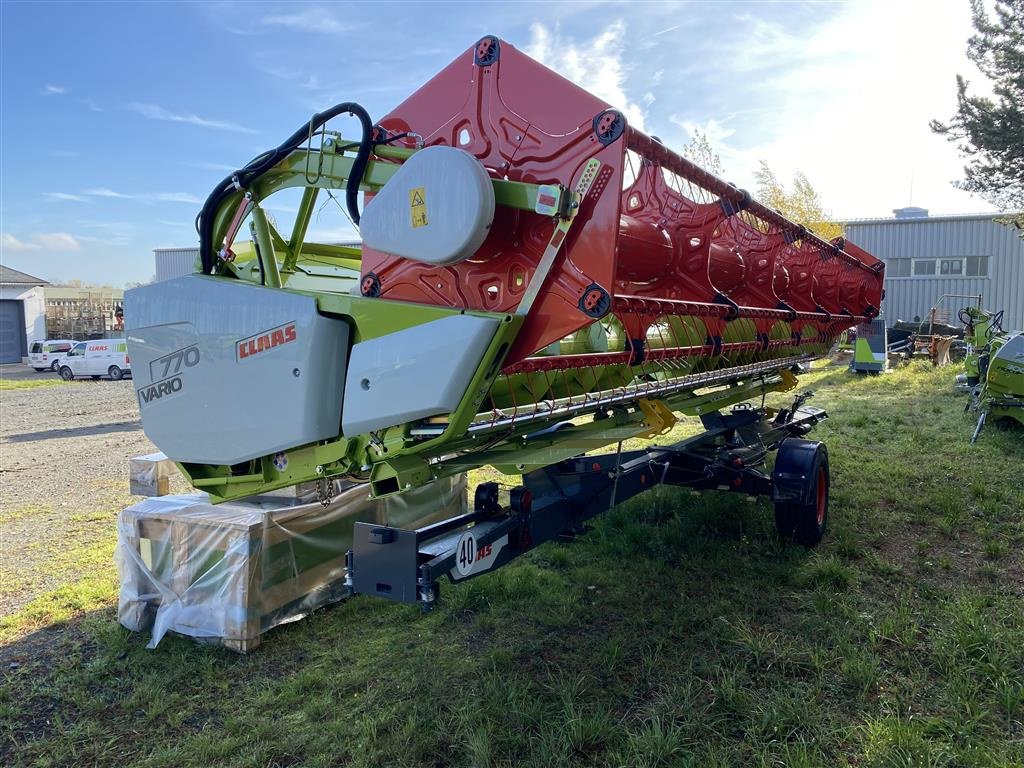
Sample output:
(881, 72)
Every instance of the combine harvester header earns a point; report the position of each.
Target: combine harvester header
(537, 279)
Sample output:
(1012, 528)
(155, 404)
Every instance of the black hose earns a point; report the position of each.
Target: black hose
(259, 165)
(995, 325)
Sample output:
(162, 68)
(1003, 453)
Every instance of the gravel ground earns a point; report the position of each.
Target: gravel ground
(21, 372)
(64, 453)
(67, 437)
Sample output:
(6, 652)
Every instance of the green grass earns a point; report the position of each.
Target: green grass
(10, 384)
(678, 632)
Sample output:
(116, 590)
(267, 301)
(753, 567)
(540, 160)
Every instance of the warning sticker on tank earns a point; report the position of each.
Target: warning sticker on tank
(418, 207)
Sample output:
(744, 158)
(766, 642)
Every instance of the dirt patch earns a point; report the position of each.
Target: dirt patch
(951, 561)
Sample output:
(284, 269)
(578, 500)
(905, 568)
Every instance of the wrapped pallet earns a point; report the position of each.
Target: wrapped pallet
(150, 475)
(227, 573)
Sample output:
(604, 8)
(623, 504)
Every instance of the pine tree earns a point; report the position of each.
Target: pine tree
(990, 130)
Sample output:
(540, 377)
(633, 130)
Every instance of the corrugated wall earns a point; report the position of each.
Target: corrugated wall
(939, 238)
(174, 262)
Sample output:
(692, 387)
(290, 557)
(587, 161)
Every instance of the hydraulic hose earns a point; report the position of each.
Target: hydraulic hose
(259, 165)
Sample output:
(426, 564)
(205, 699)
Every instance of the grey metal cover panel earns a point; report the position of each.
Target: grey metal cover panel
(226, 371)
(417, 372)
(436, 209)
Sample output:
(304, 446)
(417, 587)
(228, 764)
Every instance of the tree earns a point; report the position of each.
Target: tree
(990, 130)
(700, 151)
(801, 204)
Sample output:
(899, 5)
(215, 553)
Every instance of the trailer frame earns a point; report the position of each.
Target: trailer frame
(554, 502)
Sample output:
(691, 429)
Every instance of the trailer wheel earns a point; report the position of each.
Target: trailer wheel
(802, 516)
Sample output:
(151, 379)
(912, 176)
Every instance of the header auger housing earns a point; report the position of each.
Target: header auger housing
(537, 279)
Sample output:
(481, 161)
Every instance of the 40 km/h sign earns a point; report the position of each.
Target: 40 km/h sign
(472, 557)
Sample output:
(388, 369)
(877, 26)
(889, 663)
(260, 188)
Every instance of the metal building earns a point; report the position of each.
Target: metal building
(174, 262)
(928, 256)
(22, 313)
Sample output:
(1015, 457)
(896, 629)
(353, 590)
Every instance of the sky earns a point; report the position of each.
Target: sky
(117, 119)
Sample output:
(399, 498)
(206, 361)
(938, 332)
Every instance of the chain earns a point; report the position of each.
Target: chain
(324, 491)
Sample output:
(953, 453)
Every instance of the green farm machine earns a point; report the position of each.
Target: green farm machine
(537, 279)
(994, 369)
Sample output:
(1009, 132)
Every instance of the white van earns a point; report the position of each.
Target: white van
(47, 354)
(99, 357)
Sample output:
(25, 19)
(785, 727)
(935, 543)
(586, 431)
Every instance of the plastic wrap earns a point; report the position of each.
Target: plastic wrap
(227, 573)
(150, 475)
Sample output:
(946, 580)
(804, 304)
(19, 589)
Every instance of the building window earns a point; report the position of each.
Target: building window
(951, 267)
(977, 266)
(897, 268)
(924, 266)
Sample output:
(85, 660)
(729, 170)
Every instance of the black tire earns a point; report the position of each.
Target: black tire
(804, 521)
(115, 373)
(66, 373)
(55, 366)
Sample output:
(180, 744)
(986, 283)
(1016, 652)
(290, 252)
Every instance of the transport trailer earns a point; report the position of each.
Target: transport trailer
(555, 501)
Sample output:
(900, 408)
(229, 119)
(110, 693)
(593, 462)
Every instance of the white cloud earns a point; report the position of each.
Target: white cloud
(854, 117)
(242, 32)
(156, 112)
(596, 65)
(92, 105)
(715, 131)
(145, 197)
(673, 28)
(50, 241)
(175, 197)
(105, 192)
(57, 241)
(114, 238)
(66, 196)
(54, 90)
(311, 20)
(283, 73)
(107, 232)
(12, 244)
(104, 223)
